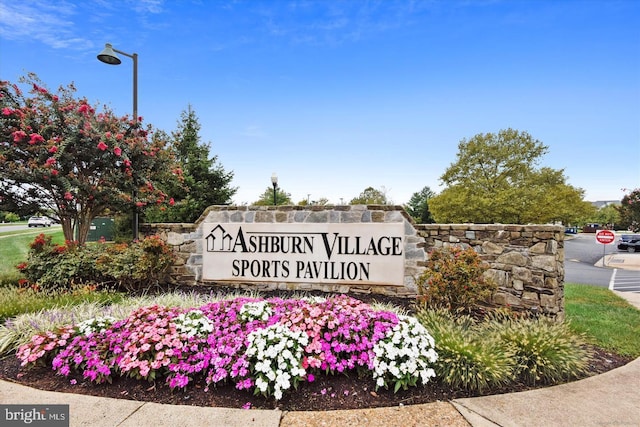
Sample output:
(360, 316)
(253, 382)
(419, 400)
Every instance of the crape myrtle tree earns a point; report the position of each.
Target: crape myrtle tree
(59, 153)
(495, 179)
(630, 210)
(206, 182)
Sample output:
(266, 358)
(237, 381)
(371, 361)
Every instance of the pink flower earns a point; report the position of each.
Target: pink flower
(119, 136)
(127, 162)
(172, 202)
(102, 146)
(84, 109)
(68, 196)
(7, 111)
(50, 162)
(246, 405)
(107, 134)
(117, 151)
(54, 172)
(53, 149)
(19, 136)
(311, 378)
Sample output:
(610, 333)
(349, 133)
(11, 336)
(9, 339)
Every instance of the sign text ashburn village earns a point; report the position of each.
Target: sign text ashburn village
(317, 252)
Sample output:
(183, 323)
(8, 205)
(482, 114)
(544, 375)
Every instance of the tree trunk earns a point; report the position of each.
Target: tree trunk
(67, 228)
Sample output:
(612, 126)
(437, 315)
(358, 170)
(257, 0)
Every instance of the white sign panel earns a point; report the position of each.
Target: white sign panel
(304, 252)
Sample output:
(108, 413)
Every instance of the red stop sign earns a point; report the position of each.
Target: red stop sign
(605, 236)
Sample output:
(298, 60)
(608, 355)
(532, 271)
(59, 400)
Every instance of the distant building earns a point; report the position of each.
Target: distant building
(602, 203)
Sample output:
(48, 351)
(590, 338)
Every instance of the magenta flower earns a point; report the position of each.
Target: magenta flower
(117, 151)
(102, 146)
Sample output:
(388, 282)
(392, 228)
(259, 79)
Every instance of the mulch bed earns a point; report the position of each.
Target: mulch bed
(325, 393)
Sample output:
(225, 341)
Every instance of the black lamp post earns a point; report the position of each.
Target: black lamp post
(108, 56)
(274, 181)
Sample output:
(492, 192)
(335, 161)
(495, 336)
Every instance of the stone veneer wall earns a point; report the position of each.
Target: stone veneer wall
(186, 240)
(526, 261)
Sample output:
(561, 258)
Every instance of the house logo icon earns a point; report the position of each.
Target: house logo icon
(219, 240)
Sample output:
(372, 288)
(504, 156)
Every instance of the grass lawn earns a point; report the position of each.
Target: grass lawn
(14, 246)
(607, 319)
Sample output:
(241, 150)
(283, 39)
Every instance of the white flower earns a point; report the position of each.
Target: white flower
(276, 352)
(193, 323)
(97, 324)
(404, 354)
(255, 310)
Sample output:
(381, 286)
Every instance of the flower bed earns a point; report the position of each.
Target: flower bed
(267, 345)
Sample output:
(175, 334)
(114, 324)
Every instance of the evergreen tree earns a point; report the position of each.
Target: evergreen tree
(206, 181)
(418, 206)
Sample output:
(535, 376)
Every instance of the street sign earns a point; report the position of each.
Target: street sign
(605, 236)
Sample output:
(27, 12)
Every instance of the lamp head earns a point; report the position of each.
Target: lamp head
(274, 179)
(108, 56)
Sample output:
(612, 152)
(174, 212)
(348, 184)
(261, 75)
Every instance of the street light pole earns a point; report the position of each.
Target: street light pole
(274, 181)
(108, 56)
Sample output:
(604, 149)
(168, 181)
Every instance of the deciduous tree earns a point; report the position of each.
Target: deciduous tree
(495, 179)
(266, 198)
(370, 196)
(630, 210)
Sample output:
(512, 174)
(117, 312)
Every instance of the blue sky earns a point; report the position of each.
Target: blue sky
(336, 96)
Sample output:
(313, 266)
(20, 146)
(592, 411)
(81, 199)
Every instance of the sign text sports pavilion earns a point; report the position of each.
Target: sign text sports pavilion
(304, 252)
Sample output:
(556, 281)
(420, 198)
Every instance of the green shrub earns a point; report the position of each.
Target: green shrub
(454, 279)
(135, 266)
(56, 267)
(545, 351)
(467, 359)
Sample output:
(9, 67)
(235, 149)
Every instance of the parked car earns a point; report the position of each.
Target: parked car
(39, 221)
(629, 242)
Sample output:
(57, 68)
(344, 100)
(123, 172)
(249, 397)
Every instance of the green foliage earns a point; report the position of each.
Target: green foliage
(630, 210)
(608, 215)
(205, 182)
(418, 206)
(495, 180)
(454, 279)
(503, 348)
(9, 217)
(71, 160)
(370, 196)
(545, 351)
(57, 267)
(266, 198)
(135, 266)
(466, 358)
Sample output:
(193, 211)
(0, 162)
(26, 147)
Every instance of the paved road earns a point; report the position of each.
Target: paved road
(625, 280)
(582, 264)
